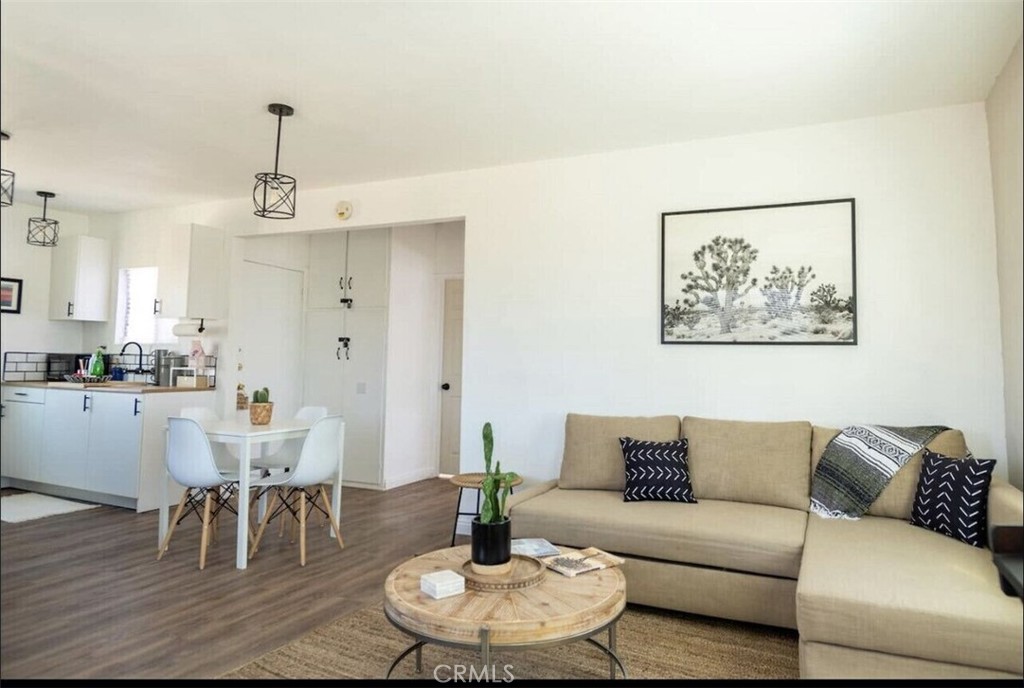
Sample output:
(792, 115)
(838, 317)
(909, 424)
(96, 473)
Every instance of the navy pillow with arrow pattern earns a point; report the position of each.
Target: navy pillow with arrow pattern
(656, 471)
(952, 497)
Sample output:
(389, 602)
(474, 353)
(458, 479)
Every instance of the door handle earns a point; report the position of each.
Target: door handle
(446, 386)
(346, 302)
(85, 402)
(136, 411)
(156, 306)
(71, 309)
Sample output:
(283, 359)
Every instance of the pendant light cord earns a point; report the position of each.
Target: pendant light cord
(277, 148)
(45, 199)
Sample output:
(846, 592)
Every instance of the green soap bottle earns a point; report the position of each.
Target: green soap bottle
(96, 367)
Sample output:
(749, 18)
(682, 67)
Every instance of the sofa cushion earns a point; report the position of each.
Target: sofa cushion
(751, 538)
(884, 585)
(592, 459)
(897, 498)
(952, 497)
(656, 471)
(760, 463)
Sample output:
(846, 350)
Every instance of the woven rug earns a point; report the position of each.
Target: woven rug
(28, 506)
(651, 643)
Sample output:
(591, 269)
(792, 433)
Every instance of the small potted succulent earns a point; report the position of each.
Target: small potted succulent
(261, 407)
(491, 536)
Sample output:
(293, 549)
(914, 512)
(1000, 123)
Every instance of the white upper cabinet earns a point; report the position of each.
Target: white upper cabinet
(80, 279)
(327, 253)
(366, 281)
(349, 269)
(193, 274)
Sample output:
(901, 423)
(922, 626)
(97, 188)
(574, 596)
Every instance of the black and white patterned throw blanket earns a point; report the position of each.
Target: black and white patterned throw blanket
(859, 462)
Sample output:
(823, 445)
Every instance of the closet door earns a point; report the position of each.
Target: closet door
(324, 359)
(362, 395)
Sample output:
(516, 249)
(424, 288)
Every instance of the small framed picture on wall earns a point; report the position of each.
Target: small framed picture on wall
(10, 295)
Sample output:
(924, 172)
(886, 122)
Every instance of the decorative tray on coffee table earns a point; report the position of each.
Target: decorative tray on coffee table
(525, 572)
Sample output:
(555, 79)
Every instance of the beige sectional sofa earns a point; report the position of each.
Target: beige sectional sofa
(876, 597)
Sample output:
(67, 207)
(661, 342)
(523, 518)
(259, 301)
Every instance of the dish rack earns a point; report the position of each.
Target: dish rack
(88, 378)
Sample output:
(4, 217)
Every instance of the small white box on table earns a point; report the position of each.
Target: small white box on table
(442, 584)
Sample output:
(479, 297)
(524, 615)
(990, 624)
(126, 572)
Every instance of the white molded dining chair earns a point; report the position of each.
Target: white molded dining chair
(225, 455)
(286, 454)
(301, 490)
(190, 461)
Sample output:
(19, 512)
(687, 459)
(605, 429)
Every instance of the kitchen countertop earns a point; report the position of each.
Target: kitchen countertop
(116, 387)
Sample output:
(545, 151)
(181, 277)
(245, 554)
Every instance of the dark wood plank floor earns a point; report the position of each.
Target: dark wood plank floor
(82, 595)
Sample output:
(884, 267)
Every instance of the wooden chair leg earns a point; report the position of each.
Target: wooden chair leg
(302, 527)
(331, 518)
(206, 529)
(263, 524)
(173, 524)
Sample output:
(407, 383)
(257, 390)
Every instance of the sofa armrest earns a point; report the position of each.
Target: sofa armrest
(529, 493)
(1005, 504)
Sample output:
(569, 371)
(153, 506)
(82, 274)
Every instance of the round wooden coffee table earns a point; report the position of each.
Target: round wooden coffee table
(557, 610)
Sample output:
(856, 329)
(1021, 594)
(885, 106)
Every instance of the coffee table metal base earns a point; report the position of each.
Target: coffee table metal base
(485, 646)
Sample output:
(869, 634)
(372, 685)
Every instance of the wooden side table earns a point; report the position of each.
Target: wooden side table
(472, 481)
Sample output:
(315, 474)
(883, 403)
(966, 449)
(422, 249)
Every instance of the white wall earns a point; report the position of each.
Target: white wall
(1005, 123)
(31, 330)
(421, 256)
(562, 281)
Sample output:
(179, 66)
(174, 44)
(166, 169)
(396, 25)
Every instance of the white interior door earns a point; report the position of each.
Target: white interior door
(451, 377)
(270, 336)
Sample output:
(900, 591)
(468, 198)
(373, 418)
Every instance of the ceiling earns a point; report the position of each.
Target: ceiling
(119, 106)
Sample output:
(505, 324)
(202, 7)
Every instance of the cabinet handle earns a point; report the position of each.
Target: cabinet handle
(344, 345)
(347, 302)
(157, 306)
(337, 354)
(341, 283)
(71, 309)
(21, 394)
(85, 402)
(349, 282)
(136, 410)
(2, 407)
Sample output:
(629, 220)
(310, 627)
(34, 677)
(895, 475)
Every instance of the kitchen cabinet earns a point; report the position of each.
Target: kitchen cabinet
(112, 455)
(102, 446)
(349, 269)
(21, 436)
(345, 357)
(192, 273)
(80, 279)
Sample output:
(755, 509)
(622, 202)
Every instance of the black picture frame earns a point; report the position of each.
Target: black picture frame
(763, 274)
(10, 295)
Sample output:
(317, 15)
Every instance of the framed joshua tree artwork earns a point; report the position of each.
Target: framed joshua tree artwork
(767, 274)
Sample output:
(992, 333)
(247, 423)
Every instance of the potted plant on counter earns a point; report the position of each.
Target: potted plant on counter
(261, 408)
(491, 537)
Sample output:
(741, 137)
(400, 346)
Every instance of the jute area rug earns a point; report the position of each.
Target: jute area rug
(651, 643)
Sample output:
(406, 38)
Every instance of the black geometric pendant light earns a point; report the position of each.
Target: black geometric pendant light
(274, 193)
(43, 232)
(6, 181)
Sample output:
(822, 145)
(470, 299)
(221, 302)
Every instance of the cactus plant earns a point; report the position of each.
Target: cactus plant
(261, 396)
(496, 484)
(723, 268)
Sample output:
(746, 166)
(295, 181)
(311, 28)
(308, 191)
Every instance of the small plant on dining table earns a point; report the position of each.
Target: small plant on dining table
(261, 396)
(496, 485)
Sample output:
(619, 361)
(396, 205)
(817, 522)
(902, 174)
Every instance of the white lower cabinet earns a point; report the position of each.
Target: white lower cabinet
(21, 433)
(115, 433)
(106, 446)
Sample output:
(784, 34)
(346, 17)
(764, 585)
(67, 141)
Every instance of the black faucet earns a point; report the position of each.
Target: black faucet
(139, 346)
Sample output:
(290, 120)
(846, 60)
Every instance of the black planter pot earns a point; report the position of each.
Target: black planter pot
(491, 542)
